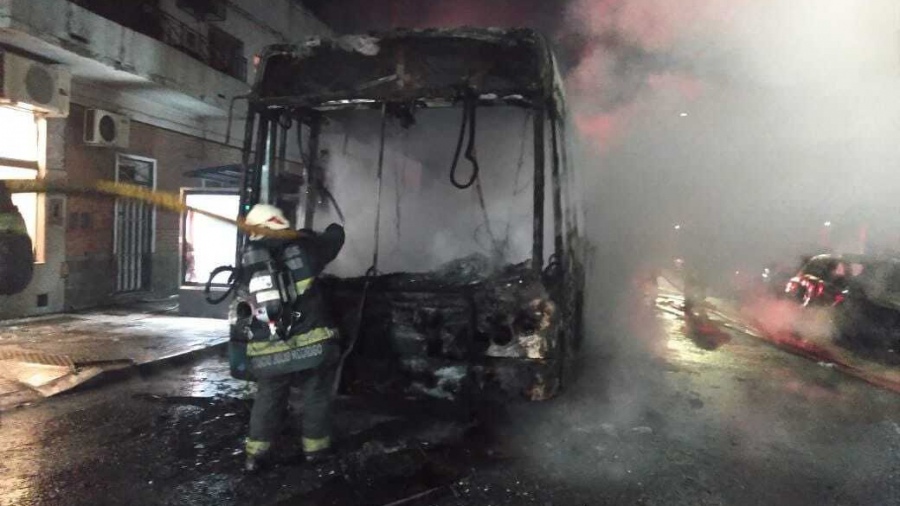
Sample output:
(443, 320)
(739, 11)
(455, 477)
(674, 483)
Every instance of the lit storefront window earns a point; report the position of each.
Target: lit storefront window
(20, 153)
(208, 243)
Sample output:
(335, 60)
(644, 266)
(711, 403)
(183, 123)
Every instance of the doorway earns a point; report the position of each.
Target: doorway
(134, 227)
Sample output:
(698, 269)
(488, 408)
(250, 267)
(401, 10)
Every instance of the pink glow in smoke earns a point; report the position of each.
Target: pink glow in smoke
(604, 128)
(656, 26)
(448, 14)
(689, 87)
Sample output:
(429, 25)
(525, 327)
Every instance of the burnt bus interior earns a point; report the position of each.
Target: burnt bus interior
(444, 155)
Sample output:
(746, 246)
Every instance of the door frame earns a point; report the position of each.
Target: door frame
(154, 176)
(152, 161)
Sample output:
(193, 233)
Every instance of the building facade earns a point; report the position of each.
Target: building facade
(151, 85)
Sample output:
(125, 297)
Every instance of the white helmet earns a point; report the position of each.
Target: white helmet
(267, 216)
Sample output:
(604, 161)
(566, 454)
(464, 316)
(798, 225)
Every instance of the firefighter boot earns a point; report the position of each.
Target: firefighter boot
(258, 455)
(317, 450)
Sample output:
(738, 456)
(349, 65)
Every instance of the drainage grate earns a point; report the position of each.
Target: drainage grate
(34, 357)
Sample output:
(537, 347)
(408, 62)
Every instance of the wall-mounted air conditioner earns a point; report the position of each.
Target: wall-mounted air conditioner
(33, 85)
(104, 128)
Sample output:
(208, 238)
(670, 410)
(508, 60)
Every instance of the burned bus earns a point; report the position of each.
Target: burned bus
(443, 153)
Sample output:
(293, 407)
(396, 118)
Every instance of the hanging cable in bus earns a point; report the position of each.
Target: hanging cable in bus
(468, 120)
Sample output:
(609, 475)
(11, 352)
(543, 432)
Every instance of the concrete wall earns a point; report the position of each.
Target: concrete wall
(90, 261)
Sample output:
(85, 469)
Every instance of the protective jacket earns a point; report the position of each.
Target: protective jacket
(16, 253)
(311, 331)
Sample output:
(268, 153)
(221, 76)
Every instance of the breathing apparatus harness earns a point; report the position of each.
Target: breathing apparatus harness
(271, 289)
(271, 284)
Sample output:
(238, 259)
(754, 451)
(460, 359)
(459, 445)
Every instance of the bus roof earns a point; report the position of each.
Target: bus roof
(432, 67)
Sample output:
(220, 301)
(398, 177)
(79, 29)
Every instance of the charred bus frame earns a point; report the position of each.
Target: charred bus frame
(299, 85)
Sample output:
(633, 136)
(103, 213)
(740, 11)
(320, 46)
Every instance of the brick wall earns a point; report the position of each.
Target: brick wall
(90, 222)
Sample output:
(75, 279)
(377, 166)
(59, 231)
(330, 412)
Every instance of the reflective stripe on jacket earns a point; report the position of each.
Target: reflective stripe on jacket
(298, 353)
(260, 348)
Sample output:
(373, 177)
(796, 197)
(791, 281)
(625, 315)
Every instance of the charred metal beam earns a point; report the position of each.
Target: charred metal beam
(312, 176)
(537, 255)
(271, 159)
(380, 185)
(244, 198)
(282, 147)
(262, 137)
(559, 250)
(404, 65)
(573, 214)
(326, 101)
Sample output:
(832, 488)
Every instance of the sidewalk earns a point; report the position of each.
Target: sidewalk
(44, 356)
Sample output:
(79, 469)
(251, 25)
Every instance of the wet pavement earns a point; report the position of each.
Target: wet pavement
(659, 417)
(44, 356)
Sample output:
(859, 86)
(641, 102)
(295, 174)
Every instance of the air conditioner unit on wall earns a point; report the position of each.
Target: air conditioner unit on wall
(104, 128)
(37, 86)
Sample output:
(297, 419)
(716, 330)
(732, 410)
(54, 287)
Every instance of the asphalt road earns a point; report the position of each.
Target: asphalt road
(657, 418)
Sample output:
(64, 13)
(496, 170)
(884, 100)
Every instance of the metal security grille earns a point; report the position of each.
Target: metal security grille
(134, 227)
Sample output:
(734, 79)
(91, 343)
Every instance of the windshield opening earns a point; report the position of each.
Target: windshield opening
(425, 220)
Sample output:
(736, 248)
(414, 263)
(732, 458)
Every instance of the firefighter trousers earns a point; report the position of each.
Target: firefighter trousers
(270, 408)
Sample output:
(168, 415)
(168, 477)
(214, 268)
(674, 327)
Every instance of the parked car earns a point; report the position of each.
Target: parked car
(774, 278)
(863, 293)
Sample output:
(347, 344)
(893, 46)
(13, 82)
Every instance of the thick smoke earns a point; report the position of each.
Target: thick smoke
(750, 124)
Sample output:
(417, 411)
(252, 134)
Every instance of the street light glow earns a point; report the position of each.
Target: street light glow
(827, 223)
(677, 227)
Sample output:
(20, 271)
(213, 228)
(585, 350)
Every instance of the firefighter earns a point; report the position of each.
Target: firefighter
(297, 343)
(16, 253)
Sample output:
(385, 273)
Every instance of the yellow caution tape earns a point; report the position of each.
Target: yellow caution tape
(163, 200)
